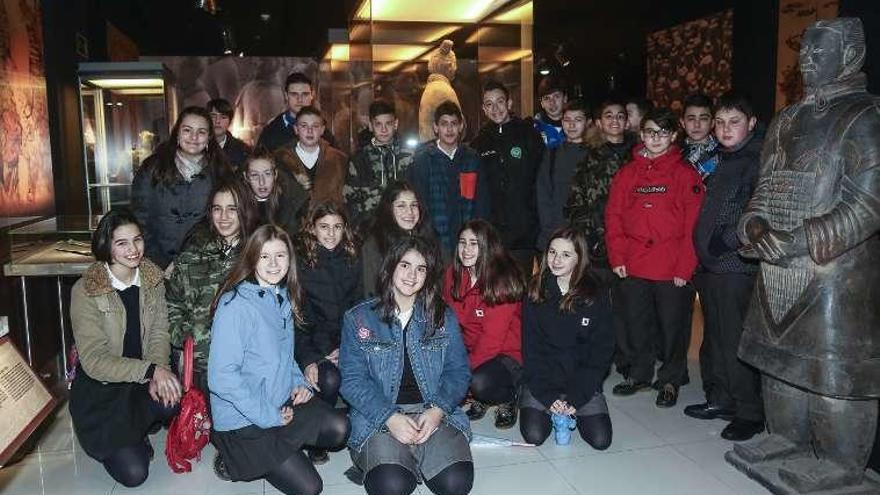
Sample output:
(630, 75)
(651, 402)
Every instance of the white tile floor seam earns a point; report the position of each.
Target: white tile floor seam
(654, 452)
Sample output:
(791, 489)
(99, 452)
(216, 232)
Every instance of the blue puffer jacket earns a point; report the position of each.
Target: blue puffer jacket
(371, 362)
(251, 371)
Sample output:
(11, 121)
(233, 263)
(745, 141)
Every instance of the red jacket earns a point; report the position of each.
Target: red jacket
(652, 209)
(487, 330)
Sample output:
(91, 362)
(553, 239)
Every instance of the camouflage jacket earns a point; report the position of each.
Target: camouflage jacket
(585, 209)
(371, 169)
(198, 271)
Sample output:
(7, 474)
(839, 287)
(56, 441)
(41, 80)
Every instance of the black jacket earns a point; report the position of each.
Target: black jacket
(279, 131)
(510, 155)
(554, 185)
(330, 288)
(236, 151)
(168, 212)
(728, 190)
(566, 354)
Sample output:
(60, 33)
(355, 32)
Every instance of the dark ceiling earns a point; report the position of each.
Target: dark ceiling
(181, 27)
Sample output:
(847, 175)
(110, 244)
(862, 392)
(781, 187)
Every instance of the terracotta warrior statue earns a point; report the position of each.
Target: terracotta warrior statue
(813, 328)
(441, 68)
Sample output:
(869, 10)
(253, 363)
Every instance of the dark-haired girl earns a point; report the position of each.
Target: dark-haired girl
(568, 344)
(278, 196)
(208, 254)
(261, 405)
(485, 289)
(398, 215)
(170, 190)
(404, 372)
(123, 384)
(330, 275)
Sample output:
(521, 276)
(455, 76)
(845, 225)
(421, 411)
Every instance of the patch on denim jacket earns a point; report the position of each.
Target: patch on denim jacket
(364, 333)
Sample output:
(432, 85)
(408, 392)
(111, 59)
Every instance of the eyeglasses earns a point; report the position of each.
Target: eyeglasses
(655, 133)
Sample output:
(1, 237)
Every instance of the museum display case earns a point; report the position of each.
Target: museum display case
(127, 109)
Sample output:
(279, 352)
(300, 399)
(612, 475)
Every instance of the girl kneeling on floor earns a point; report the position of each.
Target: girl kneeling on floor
(262, 407)
(485, 288)
(404, 372)
(330, 275)
(568, 344)
(123, 385)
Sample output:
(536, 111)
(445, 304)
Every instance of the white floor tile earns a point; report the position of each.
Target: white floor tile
(536, 478)
(658, 471)
(709, 456)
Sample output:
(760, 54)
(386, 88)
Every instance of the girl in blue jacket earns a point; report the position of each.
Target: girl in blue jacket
(261, 404)
(404, 372)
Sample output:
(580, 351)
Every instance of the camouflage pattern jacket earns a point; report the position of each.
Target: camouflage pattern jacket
(371, 169)
(198, 271)
(585, 209)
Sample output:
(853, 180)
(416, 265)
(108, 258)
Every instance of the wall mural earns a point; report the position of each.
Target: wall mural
(252, 84)
(26, 186)
(794, 17)
(696, 56)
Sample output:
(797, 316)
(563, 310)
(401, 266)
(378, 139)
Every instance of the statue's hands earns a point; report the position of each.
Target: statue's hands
(779, 247)
(756, 227)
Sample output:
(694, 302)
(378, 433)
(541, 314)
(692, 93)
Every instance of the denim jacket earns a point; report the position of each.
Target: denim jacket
(251, 371)
(371, 362)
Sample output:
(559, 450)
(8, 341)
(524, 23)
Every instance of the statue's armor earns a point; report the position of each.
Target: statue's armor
(808, 324)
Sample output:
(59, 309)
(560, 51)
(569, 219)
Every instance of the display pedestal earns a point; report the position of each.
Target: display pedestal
(767, 474)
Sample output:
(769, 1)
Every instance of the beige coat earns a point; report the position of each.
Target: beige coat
(98, 318)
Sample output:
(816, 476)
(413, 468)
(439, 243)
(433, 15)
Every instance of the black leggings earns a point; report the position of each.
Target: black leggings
(329, 380)
(493, 383)
(393, 479)
(535, 427)
(297, 475)
(130, 465)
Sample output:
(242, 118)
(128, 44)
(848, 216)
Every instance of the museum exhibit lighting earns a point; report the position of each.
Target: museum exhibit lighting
(410, 11)
(116, 83)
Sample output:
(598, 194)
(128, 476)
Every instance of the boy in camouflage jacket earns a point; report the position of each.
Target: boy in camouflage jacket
(607, 151)
(382, 161)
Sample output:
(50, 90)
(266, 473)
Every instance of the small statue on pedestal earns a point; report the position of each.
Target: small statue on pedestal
(441, 68)
(813, 328)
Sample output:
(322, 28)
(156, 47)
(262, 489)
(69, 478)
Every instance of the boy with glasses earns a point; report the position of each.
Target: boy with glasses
(652, 208)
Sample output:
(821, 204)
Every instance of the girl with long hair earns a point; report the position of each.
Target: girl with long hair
(330, 276)
(170, 189)
(399, 214)
(124, 384)
(210, 250)
(404, 373)
(262, 408)
(485, 288)
(568, 344)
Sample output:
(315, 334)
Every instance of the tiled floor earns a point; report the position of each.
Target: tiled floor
(655, 452)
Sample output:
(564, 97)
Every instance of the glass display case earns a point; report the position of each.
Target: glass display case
(390, 44)
(56, 246)
(127, 110)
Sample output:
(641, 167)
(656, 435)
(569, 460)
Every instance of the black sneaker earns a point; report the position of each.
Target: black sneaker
(476, 411)
(150, 452)
(355, 475)
(629, 387)
(505, 415)
(220, 468)
(319, 456)
(668, 395)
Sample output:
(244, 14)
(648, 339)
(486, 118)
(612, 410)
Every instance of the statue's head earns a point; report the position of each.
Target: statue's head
(832, 50)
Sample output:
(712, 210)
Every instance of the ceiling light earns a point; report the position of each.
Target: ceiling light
(126, 83)
(516, 15)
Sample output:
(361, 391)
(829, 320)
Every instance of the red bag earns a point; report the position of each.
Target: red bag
(190, 430)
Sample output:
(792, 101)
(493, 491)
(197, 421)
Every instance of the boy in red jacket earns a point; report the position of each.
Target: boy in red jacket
(652, 208)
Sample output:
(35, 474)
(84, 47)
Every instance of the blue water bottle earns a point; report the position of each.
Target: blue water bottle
(562, 426)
